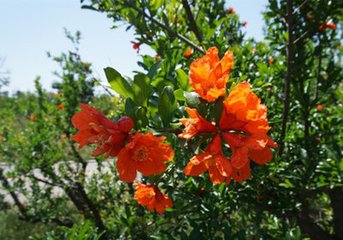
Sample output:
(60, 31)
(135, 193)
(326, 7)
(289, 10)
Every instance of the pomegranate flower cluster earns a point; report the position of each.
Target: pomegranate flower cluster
(238, 137)
(243, 125)
(136, 152)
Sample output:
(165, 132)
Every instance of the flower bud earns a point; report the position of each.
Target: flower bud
(125, 124)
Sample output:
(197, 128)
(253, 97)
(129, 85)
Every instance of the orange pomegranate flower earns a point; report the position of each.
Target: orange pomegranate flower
(188, 53)
(243, 111)
(254, 147)
(213, 160)
(327, 25)
(60, 106)
(320, 107)
(95, 128)
(151, 197)
(271, 60)
(145, 153)
(196, 124)
(32, 117)
(208, 75)
(244, 126)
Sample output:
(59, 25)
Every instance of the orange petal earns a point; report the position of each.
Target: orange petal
(223, 165)
(215, 176)
(261, 156)
(196, 165)
(239, 157)
(127, 172)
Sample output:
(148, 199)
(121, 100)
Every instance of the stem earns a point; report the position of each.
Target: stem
(44, 181)
(23, 210)
(300, 6)
(318, 75)
(192, 23)
(96, 214)
(289, 74)
(168, 29)
(21, 207)
(301, 37)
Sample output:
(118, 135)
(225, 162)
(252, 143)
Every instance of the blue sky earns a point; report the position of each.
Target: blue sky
(30, 28)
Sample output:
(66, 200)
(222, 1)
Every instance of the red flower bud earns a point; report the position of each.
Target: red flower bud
(231, 11)
(136, 45)
(32, 117)
(60, 106)
(320, 107)
(271, 60)
(188, 53)
(125, 124)
(327, 24)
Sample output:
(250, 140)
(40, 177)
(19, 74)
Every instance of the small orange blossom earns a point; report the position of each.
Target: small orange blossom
(320, 107)
(144, 153)
(208, 75)
(151, 197)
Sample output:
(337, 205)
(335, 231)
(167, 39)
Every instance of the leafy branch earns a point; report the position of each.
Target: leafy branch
(168, 29)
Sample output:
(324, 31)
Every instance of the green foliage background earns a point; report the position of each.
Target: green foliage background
(297, 195)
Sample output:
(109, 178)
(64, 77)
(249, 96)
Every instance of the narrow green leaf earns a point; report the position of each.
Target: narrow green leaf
(179, 95)
(130, 107)
(141, 117)
(141, 89)
(153, 70)
(166, 105)
(182, 78)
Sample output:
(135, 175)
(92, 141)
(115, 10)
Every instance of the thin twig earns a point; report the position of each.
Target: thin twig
(106, 89)
(44, 181)
(318, 75)
(168, 29)
(289, 75)
(299, 38)
(300, 6)
(192, 23)
(5, 183)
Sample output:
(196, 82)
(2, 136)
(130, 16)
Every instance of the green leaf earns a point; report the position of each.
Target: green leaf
(179, 95)
(141, 89)
(262, 68)
(195, 234)
(119, 84)
(153, 70)
(166, 105)
(130, 107)
(182, 78)
(141, 117)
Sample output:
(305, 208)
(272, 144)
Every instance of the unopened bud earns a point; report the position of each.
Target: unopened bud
(125, 124)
